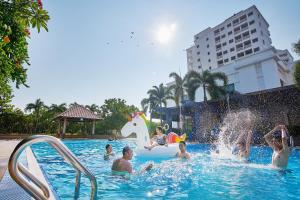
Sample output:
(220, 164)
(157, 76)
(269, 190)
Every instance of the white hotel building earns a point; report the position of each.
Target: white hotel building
(241, 47)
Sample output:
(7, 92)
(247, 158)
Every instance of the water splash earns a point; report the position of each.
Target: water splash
(234, 128)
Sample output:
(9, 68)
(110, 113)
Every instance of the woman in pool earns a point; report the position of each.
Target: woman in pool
(277, 139)
(158, 139)
(182, 153)
(108, 152)
(241, 147)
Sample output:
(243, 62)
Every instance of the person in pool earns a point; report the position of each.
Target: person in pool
(183, 154)
(122, 166)
(108, 152)
(242, 145)
(158, 139)
(277, 139)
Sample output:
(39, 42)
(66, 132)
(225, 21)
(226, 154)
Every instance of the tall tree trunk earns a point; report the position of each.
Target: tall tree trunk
(160, 115)
(204, 91)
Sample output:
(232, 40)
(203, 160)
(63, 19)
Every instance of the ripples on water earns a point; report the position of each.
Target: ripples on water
(206, 176)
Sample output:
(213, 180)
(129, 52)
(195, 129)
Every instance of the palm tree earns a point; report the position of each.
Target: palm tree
(55, 108)
(36, 108)
(160, 95)
(296, 47)
(208, 81)
(178, 90)
(191, 86)
(94, 108)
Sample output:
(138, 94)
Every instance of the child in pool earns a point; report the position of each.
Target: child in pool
(108, 152)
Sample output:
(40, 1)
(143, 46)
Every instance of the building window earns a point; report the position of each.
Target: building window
(220, 62)
(264, 42)
(199, 67)
(208, 53)
(250, 14)
(198, 46)
(209, 67)
(236, 30)
(261, 33)
(223, 36)
(249, 51)
(259, 24)
(207, 46)
(235, 22)
(198, 53)
(243, 18)
(226, 60)
(206, 39)
(198, 60)
(247, 44)
(225, 52)
(222, 29)
(219, 54)
(231, 41)
(239, 55)
(208, 60)
(238, 38)
(228, 25)
(197, 37)
(256, 49)
(224, 44)
(230, 32)
(216, 32)
(233, 58)
(244, 26)
(251, 22)
(255, 40)
(253, 31)
(232, 49)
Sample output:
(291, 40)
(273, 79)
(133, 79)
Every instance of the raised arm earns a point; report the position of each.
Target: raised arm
(284, 138)
(248, 141)
(268, 136)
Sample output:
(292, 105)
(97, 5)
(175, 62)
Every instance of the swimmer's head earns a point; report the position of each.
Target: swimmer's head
(108, 148)
(127, 153)
(182, 145)
(159, 129)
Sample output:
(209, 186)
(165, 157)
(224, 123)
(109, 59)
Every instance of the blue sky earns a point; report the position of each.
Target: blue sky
(88, 55)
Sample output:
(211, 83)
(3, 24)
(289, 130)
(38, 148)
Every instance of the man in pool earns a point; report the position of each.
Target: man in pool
(108, 152)
(277, 139)
(122, 166)
(158, 139)
(182, 153)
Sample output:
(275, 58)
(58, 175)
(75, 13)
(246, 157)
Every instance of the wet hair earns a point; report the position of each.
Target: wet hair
(107, 146)
(182, 142)
(126, 149)
(160, 128)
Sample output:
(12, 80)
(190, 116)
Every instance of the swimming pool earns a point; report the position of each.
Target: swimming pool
(205, 177)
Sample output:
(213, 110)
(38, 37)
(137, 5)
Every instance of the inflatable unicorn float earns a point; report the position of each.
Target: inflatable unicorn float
(138, 124)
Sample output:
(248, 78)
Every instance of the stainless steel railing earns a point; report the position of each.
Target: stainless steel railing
(18, 172)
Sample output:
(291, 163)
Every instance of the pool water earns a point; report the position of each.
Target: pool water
(204, 177)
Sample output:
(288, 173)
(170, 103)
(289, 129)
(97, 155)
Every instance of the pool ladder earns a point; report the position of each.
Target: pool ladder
(18, 172)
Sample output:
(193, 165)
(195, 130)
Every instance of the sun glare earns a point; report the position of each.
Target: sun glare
(165, 33)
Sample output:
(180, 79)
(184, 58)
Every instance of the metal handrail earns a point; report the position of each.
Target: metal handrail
(16, 169)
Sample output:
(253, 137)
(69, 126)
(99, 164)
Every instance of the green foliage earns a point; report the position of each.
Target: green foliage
(114, 114)
(296, 47)
(16, 17)
(159, 96)
(297, 74)
(208, 81)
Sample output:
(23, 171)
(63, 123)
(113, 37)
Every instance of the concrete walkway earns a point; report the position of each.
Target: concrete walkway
(6, 148)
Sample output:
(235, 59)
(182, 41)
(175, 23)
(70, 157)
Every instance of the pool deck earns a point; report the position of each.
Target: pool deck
(6, 148)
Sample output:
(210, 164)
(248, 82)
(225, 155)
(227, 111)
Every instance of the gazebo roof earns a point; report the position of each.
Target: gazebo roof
(78, 112)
